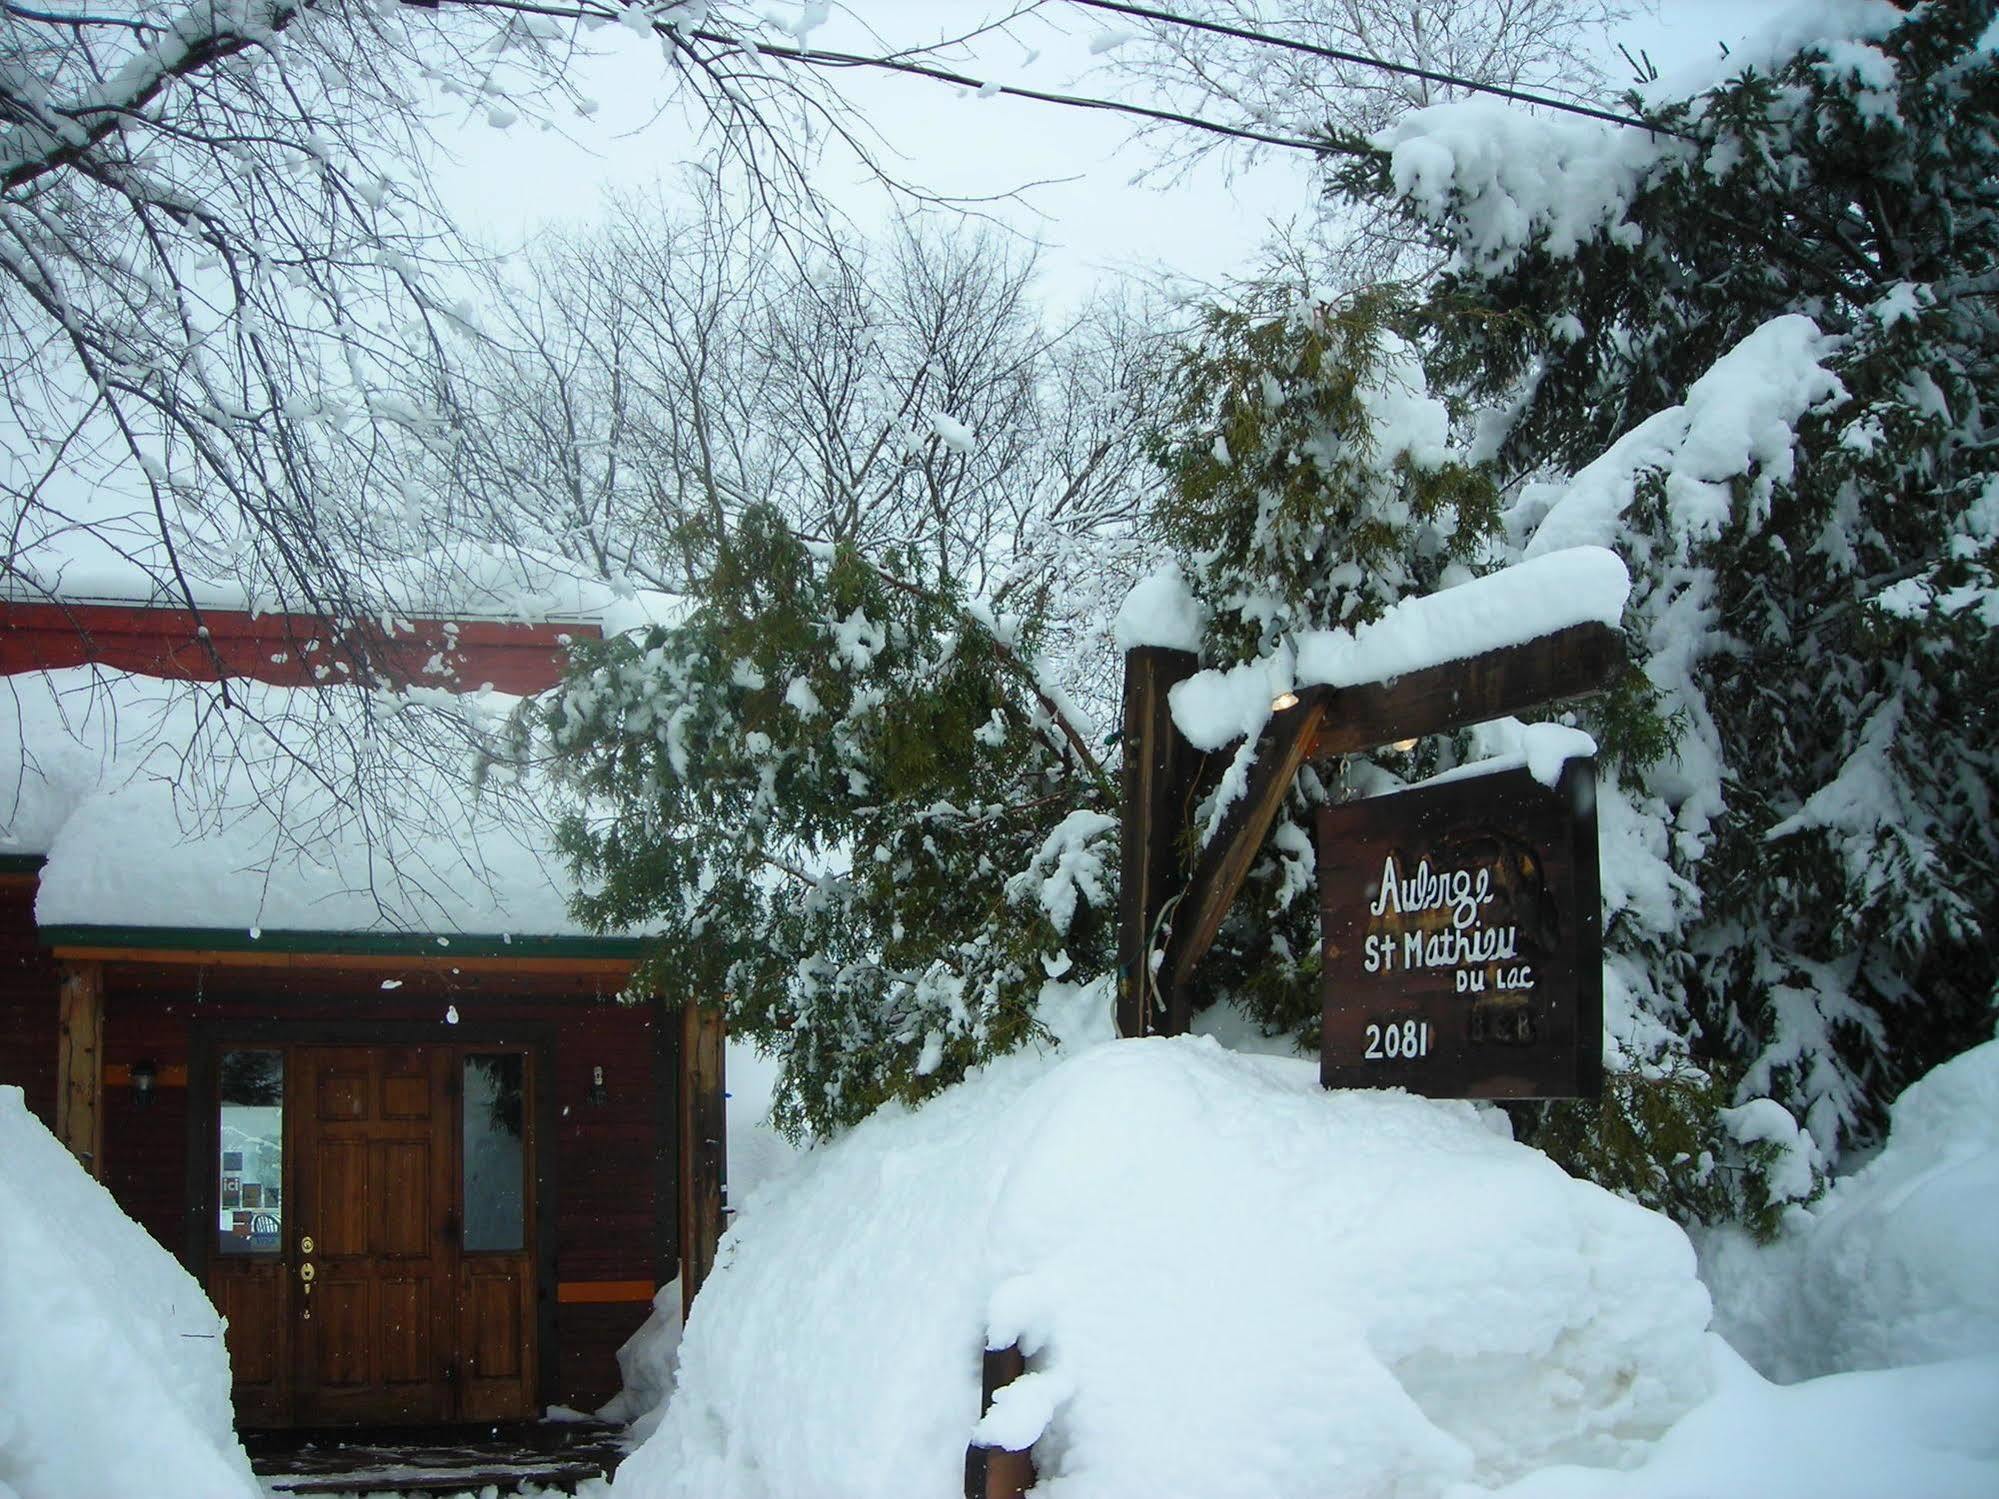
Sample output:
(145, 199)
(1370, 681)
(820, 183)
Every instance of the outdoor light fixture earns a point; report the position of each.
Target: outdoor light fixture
(1282, 701)
(599, 1094)
(144, 1075)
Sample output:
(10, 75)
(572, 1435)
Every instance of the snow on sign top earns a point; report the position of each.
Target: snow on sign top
(1582, 585)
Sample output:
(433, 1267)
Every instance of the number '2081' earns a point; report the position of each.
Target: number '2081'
(1397, 1040)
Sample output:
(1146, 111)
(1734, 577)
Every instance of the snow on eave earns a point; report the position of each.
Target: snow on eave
(157, 812)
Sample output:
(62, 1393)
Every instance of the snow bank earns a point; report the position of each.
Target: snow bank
(114, 1380)
(1231, 1281)
(648, 1363)
(1925, 1433)
(1896, 1264)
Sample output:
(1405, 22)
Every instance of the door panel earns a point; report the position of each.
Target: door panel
(375, 1164)
(407, 1170)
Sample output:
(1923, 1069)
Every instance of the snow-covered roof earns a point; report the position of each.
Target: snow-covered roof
(464, 581)
(288, 812)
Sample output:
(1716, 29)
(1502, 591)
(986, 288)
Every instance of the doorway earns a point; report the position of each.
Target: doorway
(372, 1217)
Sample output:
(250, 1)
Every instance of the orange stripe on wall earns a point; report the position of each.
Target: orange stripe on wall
(602, 1292)
(118, 1075)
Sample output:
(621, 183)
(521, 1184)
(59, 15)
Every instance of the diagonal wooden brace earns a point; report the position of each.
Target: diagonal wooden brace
(1571, 663)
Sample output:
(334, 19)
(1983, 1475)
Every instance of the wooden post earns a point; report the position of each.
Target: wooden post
(80, 1066)
(704, 1156)
(998, 1472)
(1156, 762)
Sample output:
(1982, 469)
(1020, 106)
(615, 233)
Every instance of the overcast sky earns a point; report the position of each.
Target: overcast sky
(1089, 212)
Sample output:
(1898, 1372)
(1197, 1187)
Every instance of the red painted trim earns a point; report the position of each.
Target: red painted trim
(285, 650)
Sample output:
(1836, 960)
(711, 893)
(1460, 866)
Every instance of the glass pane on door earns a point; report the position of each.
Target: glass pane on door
(495, 1157)
(251, 1144)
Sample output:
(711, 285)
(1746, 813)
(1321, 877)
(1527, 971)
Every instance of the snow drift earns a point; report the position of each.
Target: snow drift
(113, 1376)
(1228, 1282)
(1896, 1264)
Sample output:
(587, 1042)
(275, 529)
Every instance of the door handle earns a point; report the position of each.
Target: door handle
(306, 1273)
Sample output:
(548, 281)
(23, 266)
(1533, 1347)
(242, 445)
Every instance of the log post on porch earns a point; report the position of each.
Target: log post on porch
(704, 1159)
(80, 1064)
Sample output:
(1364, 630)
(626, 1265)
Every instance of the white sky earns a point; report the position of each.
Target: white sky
(1090, 214)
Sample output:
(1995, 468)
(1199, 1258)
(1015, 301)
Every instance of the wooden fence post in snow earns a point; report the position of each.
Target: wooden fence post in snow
(997, 1472)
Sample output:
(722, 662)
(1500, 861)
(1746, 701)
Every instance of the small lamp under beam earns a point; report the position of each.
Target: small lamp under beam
(144, 1075)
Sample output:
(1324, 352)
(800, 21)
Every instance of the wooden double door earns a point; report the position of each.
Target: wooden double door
(374, 1232)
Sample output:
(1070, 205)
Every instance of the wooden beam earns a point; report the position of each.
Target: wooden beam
(79, 1064)
(1225, 862)
(1571, 663)
(1328, 721)
(1157, 764)
(704, 1159)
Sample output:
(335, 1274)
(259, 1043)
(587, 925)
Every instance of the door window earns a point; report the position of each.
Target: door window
(495, 1155)
(250, 1189)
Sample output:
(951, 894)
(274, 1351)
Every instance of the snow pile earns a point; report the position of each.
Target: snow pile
(113, 1375)
(293, 811)
(1924, 1433)
(1160, 611)
(1503, 180)
(1551, 592)
(1227, 1280)
(648, 1363)
(121, 562)
(1897, 1263)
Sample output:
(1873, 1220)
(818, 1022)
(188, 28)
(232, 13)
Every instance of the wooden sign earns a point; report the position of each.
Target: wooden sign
(1463, 942)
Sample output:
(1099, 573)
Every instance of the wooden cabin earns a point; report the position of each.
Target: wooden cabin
(429, 1176)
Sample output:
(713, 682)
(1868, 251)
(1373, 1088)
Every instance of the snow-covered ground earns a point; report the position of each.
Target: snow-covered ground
(1228, 1282)
(1231, 1282)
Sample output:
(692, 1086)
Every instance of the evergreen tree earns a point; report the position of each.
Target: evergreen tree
(853, 807)
(1761, 344)
(1312, 482)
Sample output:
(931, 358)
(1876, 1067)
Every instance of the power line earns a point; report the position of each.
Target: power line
(1361, 59)
(815, 57)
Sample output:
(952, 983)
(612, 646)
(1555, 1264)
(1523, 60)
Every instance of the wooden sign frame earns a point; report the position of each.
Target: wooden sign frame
(1463, 939)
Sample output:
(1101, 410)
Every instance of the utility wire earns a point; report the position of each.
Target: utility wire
(815, 57)
(1361, 59)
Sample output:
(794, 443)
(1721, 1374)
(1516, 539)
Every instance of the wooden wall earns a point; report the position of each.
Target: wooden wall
(612, 1158)
(28, 1004)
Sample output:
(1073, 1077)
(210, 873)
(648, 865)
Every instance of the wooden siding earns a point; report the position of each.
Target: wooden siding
(29, 1001)
(609, 1224)
(286, 650)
